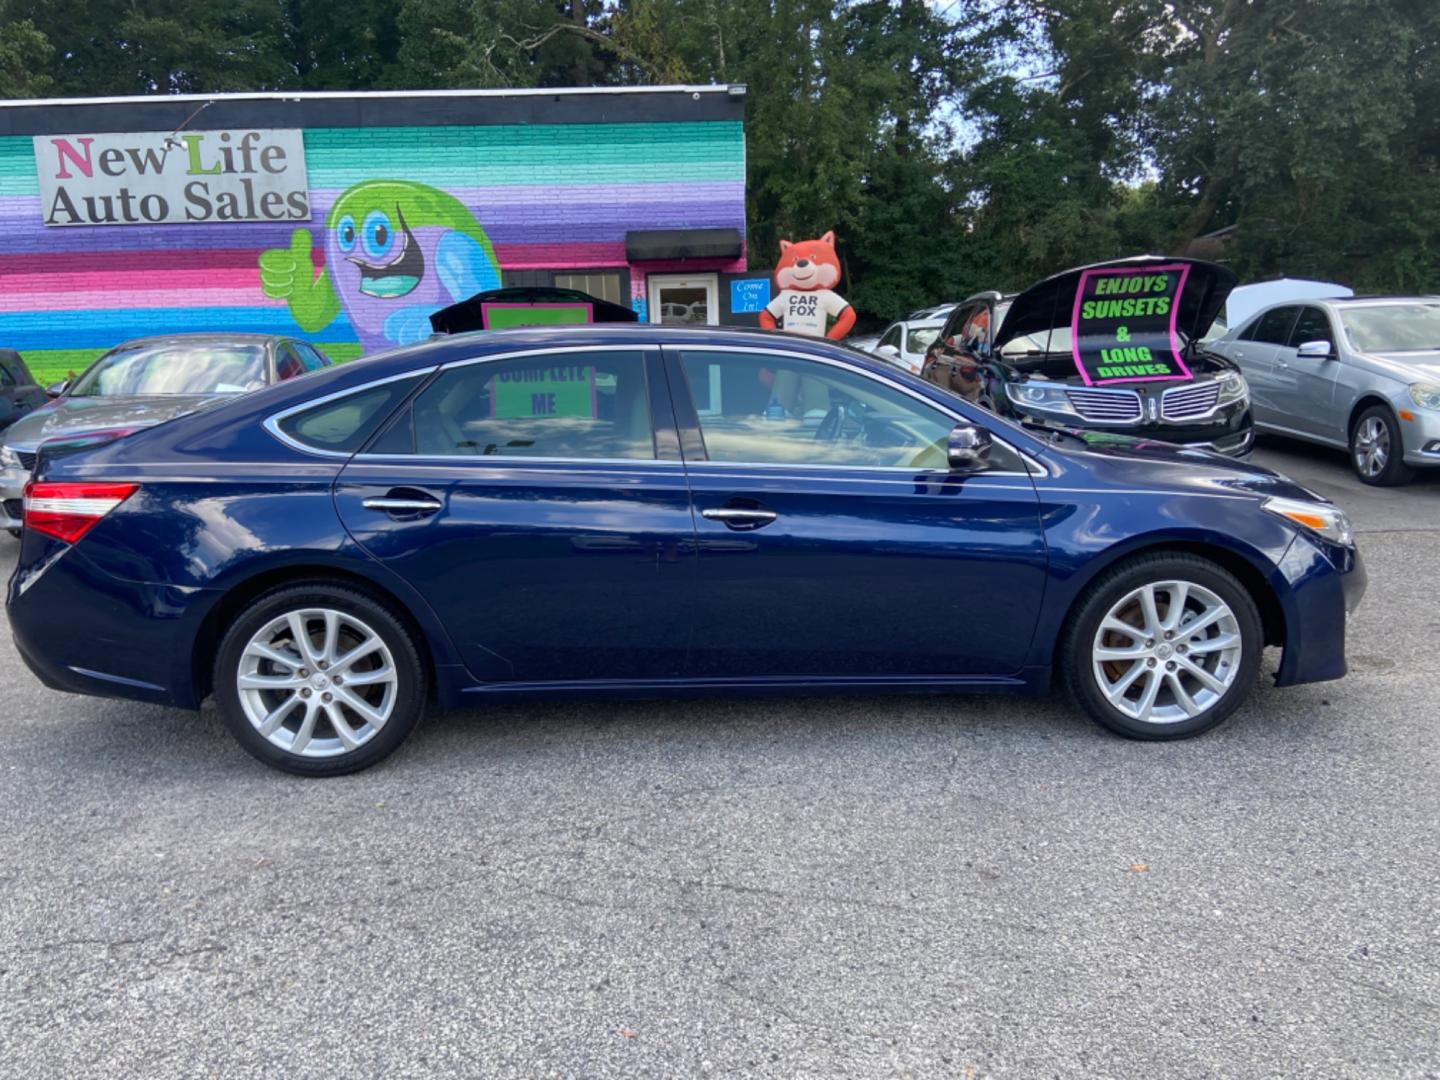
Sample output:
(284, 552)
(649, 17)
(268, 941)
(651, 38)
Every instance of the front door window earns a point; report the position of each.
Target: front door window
(772, 409)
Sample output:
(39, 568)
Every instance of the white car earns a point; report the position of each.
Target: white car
(904, 343)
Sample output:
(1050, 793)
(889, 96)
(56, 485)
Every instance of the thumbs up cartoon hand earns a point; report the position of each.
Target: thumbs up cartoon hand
(284, 270)
(289, 274)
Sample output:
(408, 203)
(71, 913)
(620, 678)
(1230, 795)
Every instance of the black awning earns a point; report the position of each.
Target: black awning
(643, 245)
(470, 314)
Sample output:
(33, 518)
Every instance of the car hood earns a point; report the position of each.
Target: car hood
(77, 416)
(1048, 304)
(1410, 365)
(1148, 464)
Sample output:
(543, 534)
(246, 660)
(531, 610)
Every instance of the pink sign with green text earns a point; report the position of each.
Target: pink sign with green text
(1123, 325)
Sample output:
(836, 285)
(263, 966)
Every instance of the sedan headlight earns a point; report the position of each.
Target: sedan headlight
(1038, 395)
(1325, 519)
(1425, 395)
(1233, 387)
(8, 458)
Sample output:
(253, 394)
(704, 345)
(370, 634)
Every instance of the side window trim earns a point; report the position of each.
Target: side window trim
(694, 441)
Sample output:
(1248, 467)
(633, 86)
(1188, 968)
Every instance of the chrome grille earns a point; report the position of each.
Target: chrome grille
(1183, 402)
(27, 461)
(1106, 406)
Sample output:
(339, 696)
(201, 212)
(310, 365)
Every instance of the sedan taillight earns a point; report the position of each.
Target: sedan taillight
(67, 511)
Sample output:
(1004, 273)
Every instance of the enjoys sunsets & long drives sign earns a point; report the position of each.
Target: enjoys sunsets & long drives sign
(1123, 325)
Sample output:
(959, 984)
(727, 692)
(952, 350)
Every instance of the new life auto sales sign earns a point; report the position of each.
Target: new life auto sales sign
(1123, 325)
(151, 178)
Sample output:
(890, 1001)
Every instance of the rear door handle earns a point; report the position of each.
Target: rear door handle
(738, 518)
(397, 503)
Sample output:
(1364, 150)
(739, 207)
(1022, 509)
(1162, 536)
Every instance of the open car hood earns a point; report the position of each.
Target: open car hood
(1049, 304)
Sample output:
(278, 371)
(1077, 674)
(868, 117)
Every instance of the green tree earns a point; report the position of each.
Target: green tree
(25, 54)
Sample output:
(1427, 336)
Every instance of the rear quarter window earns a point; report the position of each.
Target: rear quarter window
(344, 424)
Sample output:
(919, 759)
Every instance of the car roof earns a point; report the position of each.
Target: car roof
(1331, 301)
(1374, 301)
(478, 344)
(992, 295)
(201, 339)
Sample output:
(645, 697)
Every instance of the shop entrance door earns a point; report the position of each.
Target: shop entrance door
(684, 299)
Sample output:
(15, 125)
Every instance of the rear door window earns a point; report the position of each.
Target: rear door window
(1274, 326)
(581, 406)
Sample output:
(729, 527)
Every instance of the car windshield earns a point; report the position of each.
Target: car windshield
(919, 340)
(1393, 327)
(175, 369)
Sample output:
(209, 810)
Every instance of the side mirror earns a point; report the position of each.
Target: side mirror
(54, 390)
(969, 449)
(887, 350)
(1315, 350)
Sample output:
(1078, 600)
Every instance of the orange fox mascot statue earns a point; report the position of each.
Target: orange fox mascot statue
(806, 277)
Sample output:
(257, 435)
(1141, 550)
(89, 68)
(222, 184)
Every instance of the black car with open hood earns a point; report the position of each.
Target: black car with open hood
(1112, 347)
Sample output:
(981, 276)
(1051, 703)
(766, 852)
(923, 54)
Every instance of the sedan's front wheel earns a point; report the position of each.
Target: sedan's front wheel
(1162, 647)
(1377, 449)
(319, 679)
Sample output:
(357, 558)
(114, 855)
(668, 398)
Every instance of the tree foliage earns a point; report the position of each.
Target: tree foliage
(953, 146)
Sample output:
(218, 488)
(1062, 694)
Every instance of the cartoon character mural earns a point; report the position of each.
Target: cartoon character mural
(395, 252)
(806, 276)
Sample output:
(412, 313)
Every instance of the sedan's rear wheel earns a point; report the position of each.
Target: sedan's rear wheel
(319, 679)
(1163, 647)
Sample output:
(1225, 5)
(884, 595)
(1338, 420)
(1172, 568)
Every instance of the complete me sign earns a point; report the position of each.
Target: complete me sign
(155, 178)
(1123, 325)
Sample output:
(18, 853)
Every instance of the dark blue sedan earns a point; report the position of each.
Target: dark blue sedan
(648, 510)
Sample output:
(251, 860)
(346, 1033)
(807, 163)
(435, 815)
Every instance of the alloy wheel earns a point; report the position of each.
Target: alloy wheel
(317, 682)
(1167, 652)
(1372, 446)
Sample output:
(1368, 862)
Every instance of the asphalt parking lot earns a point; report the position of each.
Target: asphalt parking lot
(942, 886)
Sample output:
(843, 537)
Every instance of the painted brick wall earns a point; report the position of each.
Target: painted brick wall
(543, 196)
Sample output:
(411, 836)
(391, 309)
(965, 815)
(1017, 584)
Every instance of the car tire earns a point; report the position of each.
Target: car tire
(1377, 448)
(340, 701)
(1200, 674)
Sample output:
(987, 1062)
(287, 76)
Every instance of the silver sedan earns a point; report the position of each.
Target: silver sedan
(1361, 374)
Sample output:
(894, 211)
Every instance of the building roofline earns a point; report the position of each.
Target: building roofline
(731, 89)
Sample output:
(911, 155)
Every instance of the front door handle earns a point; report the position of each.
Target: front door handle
(735, 517)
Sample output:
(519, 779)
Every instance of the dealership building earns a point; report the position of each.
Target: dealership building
(348, 218)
